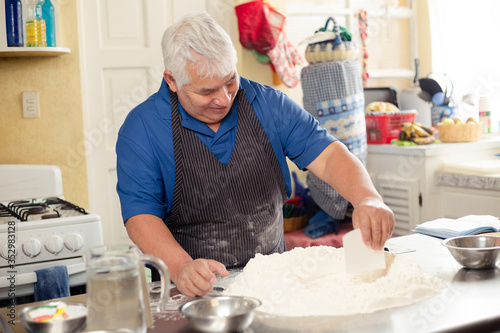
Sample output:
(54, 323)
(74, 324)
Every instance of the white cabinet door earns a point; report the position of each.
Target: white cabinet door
(121, 65)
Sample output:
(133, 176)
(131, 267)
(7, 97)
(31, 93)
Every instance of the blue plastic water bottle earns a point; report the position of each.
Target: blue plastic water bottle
(14, 22)
(50, 23)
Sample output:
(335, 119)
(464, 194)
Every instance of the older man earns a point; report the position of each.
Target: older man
(202, 171)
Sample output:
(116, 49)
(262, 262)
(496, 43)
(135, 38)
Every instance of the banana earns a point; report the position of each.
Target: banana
(403, 136)
(416, 133)
(424, 140)
(419, 131)
(427, 129)
(407, 128)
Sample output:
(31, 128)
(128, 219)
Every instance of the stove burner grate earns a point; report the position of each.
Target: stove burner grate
(65, 205)
(47, 208)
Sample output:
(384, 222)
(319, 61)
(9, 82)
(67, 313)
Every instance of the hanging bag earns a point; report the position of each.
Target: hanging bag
(328, 45)
(259, 25)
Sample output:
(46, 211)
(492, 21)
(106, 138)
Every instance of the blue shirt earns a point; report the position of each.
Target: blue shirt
(145, 154)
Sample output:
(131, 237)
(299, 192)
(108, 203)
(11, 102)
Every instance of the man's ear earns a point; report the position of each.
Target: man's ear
(167, 75)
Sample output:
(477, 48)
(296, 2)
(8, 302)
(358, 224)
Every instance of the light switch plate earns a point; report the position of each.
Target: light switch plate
(31, 109)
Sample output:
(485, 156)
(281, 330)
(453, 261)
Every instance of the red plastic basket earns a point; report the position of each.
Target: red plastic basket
(383, 128)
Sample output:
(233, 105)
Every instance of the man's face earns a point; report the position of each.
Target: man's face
(208, 100)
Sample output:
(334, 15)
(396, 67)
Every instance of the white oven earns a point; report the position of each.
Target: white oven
(39, 229)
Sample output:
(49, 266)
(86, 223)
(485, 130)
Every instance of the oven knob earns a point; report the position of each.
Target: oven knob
(6, 253)
(74, 242)
(54, 244)
(32, 247)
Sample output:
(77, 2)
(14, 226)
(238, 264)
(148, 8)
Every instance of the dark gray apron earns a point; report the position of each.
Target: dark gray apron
(227, 212)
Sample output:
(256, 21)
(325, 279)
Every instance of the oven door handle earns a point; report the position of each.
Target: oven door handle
(26, 278)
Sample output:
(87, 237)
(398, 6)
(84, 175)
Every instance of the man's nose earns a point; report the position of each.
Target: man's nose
(223, 97)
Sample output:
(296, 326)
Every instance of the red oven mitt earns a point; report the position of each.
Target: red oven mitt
(259, 25)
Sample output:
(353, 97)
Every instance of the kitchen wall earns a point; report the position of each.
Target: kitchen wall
(424, 38)
(57, 136)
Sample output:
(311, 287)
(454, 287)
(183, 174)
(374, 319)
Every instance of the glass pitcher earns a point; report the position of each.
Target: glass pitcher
(115, 293)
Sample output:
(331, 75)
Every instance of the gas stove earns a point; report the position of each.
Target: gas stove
(39, 228)
(45, 229)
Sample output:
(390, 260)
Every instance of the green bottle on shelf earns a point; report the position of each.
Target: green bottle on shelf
(35, 24)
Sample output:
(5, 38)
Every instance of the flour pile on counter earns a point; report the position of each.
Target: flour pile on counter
(313, 282)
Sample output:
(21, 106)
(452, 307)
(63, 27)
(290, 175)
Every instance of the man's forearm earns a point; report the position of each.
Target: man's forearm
(345, 173)
(153, 237)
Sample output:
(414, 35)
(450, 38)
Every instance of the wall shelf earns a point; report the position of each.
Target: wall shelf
(13, 52)
(398, 73)
(33, 52)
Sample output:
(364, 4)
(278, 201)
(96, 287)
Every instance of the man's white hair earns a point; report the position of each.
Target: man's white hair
(198, 39)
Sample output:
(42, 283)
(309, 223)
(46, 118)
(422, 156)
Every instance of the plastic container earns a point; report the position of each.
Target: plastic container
(381, 129)
(438, 112)
(35, 25)
(14, 23)
(485, 115)
(485, 121)
(48, 15)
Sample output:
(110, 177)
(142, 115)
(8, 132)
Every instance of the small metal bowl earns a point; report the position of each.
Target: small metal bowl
(221, 314)
(76, 321)
(476, 252)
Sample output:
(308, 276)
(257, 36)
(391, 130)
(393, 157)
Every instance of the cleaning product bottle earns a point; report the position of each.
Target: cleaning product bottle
(35, 24)
(485, 115)
(14, 22)
(50, 22)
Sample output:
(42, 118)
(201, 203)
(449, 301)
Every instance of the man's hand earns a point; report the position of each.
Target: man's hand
(192, 277)
(197, 277)
(376, 222)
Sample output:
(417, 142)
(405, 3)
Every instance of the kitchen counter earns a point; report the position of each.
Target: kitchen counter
(486, 143)
(468, 303)
(483, 182)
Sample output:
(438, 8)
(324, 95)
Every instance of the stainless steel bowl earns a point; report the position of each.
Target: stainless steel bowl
(75, 323)
(477, 252)
(221, 314)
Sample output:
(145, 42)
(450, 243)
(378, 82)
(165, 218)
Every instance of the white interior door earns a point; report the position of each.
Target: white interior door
(121, 66)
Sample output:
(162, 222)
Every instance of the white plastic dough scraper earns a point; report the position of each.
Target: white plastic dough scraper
(358, 256)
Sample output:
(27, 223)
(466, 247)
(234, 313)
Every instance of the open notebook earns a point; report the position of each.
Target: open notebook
(467, 225)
